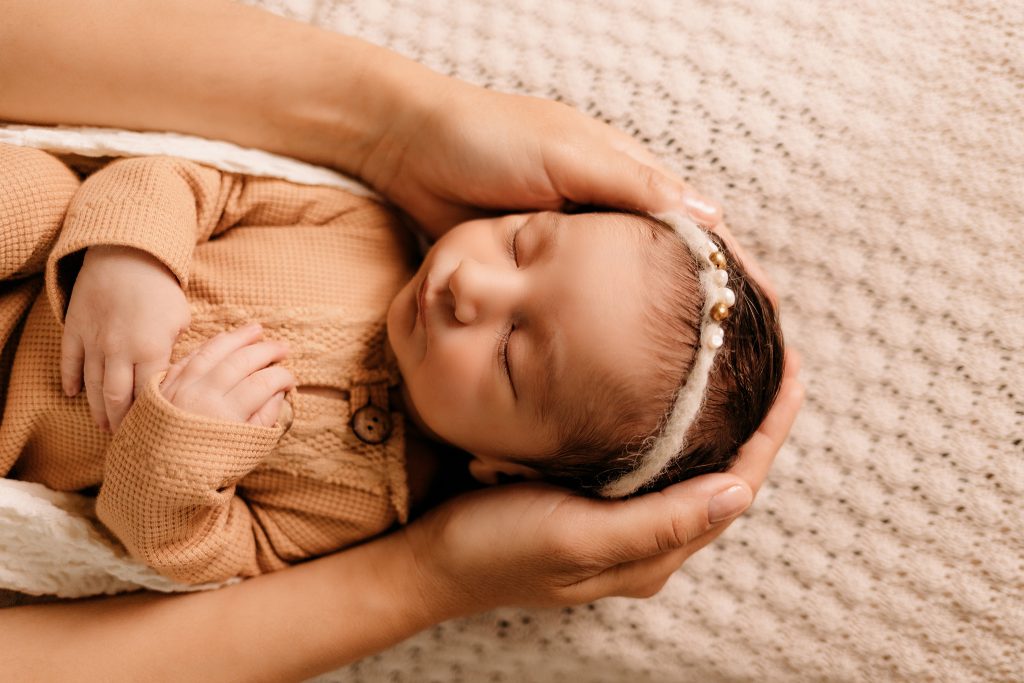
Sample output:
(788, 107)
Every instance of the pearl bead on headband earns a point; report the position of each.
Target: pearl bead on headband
(718, 302)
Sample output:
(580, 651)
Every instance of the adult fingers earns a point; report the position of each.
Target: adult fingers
(680, 528)
(93, 373)
(118, 375)
(266, 416)
(658, 522)
(72, 357)
(259, 388)
(700, 208)
(641, 578)
(216, 349)
(758, 453)
(749, 264)
(607, 176)
(244, 362)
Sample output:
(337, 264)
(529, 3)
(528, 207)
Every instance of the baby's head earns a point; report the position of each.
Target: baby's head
(558, 346)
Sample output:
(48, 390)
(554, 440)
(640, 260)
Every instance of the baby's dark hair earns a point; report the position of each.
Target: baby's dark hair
(601, 432)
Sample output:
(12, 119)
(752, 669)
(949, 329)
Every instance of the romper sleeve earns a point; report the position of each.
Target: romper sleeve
(165, 206)
(184, 493)
(169, 491)
(161, 205)
(35, 189)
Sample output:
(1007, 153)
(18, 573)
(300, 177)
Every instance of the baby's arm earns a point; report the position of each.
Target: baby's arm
(137, 222)
(123, 259)
(180, 489)
(171, 470)
(35, 189)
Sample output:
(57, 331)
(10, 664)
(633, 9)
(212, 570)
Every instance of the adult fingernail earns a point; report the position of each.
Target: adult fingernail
(700, 208)
(728, 503)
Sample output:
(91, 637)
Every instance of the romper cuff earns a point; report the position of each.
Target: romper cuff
(167, 471)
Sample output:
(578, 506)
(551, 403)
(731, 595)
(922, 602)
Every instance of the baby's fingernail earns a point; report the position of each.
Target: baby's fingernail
(701, 209)
(728, 503)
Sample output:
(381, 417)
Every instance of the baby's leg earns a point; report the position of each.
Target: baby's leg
(34, 195)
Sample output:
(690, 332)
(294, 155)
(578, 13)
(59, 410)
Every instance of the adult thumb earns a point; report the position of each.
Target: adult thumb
(667, 520)
(615, 178)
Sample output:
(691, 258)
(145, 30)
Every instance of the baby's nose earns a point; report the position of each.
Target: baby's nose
(481, 291)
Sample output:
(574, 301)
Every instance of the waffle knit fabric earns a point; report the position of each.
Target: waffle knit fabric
(203, 499)
(869, 154)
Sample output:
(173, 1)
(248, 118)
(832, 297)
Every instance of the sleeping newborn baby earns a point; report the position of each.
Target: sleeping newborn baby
(608, 352)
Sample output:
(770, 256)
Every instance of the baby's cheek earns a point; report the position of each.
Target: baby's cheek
(447, 394)
(454, 378)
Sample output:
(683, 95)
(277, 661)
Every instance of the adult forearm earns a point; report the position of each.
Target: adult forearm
(212, 68)
(288, 625)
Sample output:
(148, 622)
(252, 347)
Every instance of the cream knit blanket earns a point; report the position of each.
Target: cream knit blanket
(869, 154)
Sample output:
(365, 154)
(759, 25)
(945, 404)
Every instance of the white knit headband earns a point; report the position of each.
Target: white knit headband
(718, 300)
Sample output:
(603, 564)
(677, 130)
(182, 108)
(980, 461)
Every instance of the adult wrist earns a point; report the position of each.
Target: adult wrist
(397, 98)
(438, 597)
(356, 104)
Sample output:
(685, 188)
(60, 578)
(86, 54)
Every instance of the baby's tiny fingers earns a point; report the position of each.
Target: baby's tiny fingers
(72, 356)
(258, 388)
(245, 361)
(117, 390)
(169, 383)
(267, 415)
(94, 388)
(217, 348)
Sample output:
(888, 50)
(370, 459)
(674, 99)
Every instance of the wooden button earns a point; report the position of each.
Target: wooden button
(371, 424)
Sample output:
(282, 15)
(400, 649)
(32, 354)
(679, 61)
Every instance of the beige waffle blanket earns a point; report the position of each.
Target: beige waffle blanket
(871, 156)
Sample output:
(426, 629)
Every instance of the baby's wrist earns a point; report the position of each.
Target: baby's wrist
(124, 253)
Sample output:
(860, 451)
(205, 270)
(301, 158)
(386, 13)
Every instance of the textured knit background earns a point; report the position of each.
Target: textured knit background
(871, 156)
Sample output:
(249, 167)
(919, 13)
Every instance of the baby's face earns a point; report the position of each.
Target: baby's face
(507, 316)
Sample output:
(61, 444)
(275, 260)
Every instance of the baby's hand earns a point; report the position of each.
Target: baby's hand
(233, 376)
(125, 312)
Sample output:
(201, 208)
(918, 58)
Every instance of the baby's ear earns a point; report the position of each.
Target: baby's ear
(489, 471)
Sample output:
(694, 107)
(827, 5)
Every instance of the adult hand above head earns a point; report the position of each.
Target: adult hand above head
(537, 545)
(472, 150)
